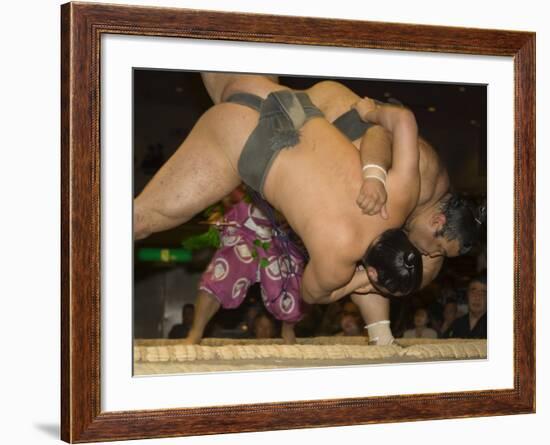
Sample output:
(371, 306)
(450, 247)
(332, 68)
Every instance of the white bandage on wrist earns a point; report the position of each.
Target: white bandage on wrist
(382, 180)
(375, 171)
(380, 333)
(382, 169)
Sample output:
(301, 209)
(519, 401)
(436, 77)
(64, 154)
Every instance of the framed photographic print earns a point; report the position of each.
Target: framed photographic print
(193, 304)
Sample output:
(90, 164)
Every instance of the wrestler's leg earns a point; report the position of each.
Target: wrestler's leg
(224, 283)
(280, 285)
(206, 307)
(215, 84)
(332, 98)
(287, 333)
(201, 172)
(219, 85)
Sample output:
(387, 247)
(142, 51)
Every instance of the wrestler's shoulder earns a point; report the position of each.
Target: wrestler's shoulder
(344, 237)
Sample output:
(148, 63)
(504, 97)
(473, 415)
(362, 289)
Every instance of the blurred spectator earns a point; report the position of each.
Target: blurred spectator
(450, 314)
(399, 315)
(330, 323)
(308, 326)
(264, 326)
(247, 325)
(421, 329)
(448, 295)
(181, 330)
(474, 323)
(351, 322)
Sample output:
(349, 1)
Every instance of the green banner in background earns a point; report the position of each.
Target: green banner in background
(164, 255)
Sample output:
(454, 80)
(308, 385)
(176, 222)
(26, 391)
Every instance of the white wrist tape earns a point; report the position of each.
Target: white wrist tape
(380, 333)
(382, 169)
(382, 180)
(381, 322)
(375, 171)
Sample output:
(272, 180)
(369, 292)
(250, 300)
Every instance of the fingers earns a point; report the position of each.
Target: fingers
(370, 205)
(376, 209)
(361, 198)
(366, 201)
(372, 198)
(370, 208)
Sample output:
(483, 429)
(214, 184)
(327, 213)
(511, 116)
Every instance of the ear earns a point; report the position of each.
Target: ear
(372, 274)
(438, 220)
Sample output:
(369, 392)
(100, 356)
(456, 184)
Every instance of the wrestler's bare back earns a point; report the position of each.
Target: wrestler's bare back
(313, 183)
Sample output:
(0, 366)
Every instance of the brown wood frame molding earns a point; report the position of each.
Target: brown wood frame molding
(82, 26)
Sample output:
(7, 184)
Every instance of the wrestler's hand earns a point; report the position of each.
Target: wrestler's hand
(361, 281)
(366, 289)
(372, 198)
(366, 108)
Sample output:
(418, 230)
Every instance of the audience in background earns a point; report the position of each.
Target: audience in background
(246, 327)
(309, 325)
(351, 321)
(474, 323)
(343, 318)
(450, 314)
(330, 322)
(421, 329)
(264, 326)
(182, 329)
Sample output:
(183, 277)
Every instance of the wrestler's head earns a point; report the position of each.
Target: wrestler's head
(393, 264)
(449, 228)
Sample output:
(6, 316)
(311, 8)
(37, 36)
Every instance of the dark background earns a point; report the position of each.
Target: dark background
(452, 117)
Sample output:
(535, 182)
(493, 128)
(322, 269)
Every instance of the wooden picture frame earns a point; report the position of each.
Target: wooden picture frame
(82, 28)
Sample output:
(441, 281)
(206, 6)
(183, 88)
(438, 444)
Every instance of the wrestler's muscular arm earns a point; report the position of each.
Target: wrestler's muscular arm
(403, 191)
(404, 174)
(375, 150)
(375, 146)
(394, 141)
(395, 137)
(335, 99)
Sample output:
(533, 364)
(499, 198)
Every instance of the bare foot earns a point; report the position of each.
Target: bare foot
(192, 339)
